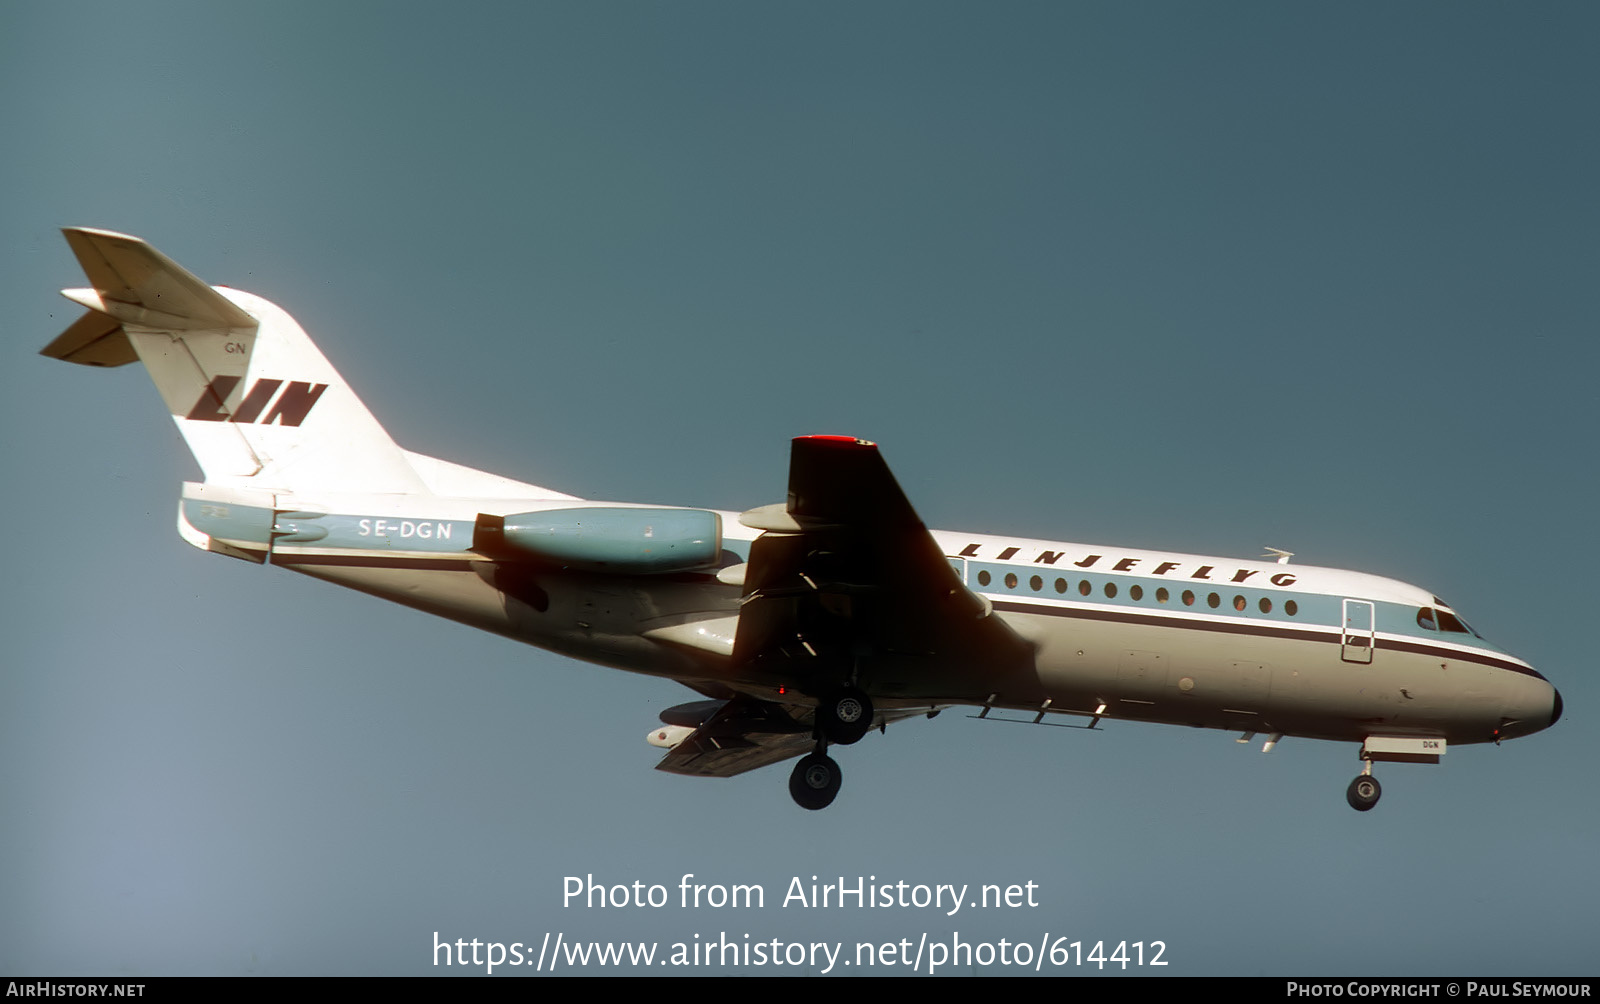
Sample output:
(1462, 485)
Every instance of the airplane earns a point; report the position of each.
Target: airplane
(804, 624)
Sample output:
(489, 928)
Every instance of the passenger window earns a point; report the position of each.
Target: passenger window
(1266, 605)
(1290, 607)
(983, 578)
(1213, 601)
(1061, 585)
(1188, 597)
(1162, 594)
(1111, 590)
(1084, 589)
(1011, 580)
(1037, 583)
(1239, 603)
(1136, 592)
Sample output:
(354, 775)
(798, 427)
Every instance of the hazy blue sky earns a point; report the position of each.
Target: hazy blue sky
(1201, 277)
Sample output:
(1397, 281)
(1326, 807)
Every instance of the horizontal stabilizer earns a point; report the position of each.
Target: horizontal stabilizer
(136, 284)
(93, 340)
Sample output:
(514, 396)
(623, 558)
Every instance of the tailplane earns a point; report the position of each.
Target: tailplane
(258, 404)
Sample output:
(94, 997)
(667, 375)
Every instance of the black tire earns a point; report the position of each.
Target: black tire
(845, 716)
(815, 781)
(1363, 792)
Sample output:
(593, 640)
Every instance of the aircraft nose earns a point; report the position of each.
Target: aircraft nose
(1533, 705)
(1543, 709)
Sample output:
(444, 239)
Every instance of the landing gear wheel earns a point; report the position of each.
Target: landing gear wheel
(815, 781)
(1363, 792)
(845, 716)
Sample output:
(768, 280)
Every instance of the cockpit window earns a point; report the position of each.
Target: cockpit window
(1450, 622)
(1444, 620)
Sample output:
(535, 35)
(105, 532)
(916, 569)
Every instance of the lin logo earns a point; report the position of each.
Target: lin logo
(290, 408)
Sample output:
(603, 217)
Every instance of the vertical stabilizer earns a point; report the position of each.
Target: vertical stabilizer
(258, 404)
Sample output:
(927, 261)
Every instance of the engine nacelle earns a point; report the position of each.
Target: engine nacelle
(629, 541)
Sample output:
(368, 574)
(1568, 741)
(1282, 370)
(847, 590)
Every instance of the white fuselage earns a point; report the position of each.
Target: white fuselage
(1118, 632)
(806, 623)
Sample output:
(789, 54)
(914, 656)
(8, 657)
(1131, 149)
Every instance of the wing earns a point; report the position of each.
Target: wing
(846, 585)
(738, 735)
(731, 737)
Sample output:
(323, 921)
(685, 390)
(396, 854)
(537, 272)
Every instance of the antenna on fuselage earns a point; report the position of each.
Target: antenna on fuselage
(1282, 556)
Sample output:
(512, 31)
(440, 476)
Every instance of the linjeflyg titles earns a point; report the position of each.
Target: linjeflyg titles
(813, 893)
(1136, 566)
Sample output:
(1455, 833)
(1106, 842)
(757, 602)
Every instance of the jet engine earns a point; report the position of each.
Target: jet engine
(627, 541)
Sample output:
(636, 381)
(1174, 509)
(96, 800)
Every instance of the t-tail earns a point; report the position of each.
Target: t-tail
(270, 421)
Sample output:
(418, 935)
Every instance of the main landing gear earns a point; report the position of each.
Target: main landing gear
(815, 781)
(843, 717)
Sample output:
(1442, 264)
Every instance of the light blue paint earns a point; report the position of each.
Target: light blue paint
(643, 541)
(1311, 609)
(244, 523)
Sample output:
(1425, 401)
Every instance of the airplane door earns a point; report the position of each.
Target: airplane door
(1357, 638)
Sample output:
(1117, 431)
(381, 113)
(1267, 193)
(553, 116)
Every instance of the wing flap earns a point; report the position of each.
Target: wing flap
(744, 733)
(704, 756)
(741, 735)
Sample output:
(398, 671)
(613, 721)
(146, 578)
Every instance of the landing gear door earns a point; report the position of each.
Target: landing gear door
(1357, 637)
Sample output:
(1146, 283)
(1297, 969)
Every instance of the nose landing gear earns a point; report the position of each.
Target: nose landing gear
(1364, 791)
